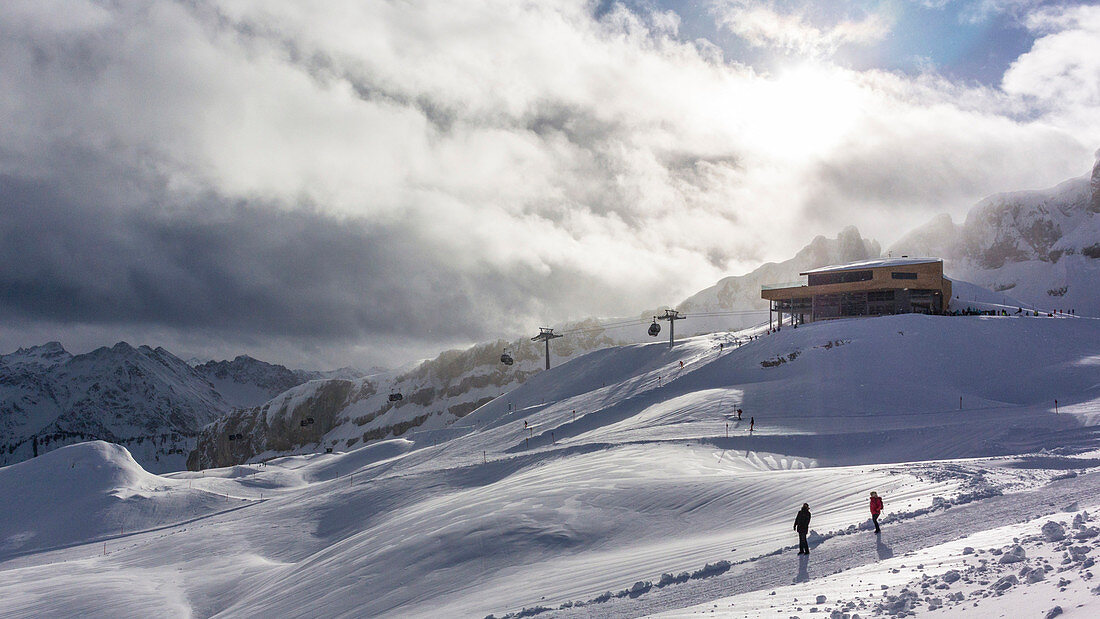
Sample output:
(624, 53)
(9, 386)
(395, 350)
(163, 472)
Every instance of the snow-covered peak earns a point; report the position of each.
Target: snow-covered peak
(742, 292)
(45, 356)
(246, 381)
(143, 397)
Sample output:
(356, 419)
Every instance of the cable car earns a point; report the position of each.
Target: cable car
(654, 328)
(396, 396)
(505, 358)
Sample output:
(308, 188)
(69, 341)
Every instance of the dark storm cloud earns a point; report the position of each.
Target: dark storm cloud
(229, 268)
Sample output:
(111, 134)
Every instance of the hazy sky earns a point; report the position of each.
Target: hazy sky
(369, 182)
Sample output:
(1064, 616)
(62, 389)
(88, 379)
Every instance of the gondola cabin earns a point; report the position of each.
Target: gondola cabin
(654, 329)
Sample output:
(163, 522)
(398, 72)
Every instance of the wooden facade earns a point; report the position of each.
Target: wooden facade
(867, 288)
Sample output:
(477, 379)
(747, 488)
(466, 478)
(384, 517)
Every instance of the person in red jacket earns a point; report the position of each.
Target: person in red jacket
(876, 509)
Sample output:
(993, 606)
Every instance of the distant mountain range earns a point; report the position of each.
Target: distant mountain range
(146, 399)
(1037, 248)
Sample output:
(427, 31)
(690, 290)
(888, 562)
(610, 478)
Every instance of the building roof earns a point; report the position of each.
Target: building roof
(871, 264)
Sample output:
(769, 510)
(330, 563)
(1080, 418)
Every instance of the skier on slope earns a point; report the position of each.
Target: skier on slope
(802, 525)
(876, 509)
(739, 411)
(752, 422)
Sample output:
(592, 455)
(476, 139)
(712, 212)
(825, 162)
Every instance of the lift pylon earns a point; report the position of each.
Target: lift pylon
(671, 316)
(545, 335)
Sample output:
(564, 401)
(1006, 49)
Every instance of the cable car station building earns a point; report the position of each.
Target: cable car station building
(867, 288)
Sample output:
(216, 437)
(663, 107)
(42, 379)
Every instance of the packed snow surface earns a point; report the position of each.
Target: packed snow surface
(623, 483)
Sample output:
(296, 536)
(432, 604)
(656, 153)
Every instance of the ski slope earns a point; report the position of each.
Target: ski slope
(576, 492)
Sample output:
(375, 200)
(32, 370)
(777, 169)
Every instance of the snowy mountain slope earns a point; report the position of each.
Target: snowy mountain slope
(346, 412)
(1042, 247)
(145, 398)
(522, 504)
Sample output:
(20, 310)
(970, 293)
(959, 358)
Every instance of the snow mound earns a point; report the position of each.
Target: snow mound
(88, 492)
(338, 465)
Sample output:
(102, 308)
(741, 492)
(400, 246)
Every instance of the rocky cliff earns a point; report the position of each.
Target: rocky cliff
(1043, 245)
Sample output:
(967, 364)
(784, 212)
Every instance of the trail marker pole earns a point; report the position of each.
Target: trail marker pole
(727, 429)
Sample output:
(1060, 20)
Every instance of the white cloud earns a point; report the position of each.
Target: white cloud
(983, 10)
(763, 24)
(1060, 75)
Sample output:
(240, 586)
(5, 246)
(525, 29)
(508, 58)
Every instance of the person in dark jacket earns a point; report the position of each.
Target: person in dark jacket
(802, 525)
(876, 509)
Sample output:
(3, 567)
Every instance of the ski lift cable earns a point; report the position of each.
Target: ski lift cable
(609, 325)
(642, 321)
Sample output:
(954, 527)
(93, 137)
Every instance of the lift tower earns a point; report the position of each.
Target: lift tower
(671, 316)
(545, 335)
